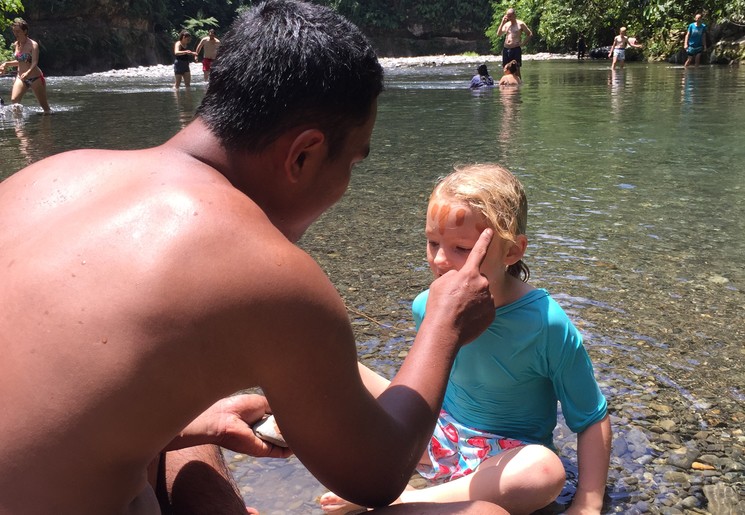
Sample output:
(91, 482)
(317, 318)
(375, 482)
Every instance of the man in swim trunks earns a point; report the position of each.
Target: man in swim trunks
(515, 30)
(210, 44)
(695, 41)
(140, 289)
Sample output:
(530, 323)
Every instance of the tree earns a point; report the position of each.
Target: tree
(9, 9)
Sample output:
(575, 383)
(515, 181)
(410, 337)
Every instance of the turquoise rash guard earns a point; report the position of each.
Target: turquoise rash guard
(509, 379)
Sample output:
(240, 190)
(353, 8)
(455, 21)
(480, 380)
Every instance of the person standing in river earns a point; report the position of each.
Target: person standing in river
(209, 44)
(182, 59)
(581, 46)
(142, 288)
(516, 34)
(618, 48)
(695, 41)
(29, 76)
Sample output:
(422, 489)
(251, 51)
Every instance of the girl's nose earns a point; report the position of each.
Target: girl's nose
(441, 259)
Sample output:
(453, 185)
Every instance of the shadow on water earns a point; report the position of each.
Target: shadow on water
(636, 226)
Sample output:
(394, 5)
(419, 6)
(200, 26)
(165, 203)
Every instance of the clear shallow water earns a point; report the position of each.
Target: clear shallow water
(637, 220)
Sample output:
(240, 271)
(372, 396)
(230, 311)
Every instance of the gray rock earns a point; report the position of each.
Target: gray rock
(722, 499)
(683, 458)
(690, 502)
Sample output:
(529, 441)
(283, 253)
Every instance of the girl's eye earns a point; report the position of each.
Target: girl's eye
(463, 249)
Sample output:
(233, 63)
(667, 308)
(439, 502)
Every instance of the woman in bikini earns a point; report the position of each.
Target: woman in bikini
(26, 53)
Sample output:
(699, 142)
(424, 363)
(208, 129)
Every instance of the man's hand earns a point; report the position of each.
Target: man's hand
(463, 297)
(227, 423)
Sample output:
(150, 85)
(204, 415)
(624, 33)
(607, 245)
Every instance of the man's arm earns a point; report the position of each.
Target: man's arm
(502, 30)
(307, 367)
(593, 455)
(528, 33)
(200, 45)
(703, 38)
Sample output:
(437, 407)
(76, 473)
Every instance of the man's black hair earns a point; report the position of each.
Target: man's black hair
(285, 64)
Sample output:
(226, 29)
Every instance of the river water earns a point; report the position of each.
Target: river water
(636, 185)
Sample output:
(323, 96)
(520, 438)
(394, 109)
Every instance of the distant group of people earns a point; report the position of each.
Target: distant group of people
(184, 56)
(517, 34)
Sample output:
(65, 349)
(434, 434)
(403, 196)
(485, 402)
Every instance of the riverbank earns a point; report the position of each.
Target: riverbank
(160, 70)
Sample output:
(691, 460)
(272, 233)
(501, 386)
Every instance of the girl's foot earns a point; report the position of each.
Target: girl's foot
(332, 503)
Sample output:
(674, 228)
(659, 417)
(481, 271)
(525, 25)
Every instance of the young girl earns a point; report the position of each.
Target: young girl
(493, 440)
(510, 77)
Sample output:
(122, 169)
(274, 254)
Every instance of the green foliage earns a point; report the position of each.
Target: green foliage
(659, 24)
(199, 25)
(434, 15)
(556, 24)
(9, 9)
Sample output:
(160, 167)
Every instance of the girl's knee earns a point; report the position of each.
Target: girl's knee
(550, 466)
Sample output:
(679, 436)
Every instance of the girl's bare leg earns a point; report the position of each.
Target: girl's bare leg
(521, 480)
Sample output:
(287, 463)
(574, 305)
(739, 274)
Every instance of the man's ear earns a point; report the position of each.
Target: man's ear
(307, 149)
(516, 251)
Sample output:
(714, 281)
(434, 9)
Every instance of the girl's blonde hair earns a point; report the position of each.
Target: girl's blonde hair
(493, 191)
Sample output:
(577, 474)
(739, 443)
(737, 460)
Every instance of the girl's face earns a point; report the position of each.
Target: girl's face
(452, 230)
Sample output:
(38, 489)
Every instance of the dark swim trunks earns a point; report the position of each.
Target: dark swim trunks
(509, 54)
(694, 50)
(180, 67)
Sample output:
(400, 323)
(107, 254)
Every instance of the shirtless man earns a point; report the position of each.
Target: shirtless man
(513, 42)
(139, 288)
(618, 48)
(210, 45)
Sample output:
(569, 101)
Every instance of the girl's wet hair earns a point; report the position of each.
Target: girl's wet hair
(482, 70)
(511, 66)
(493, 191)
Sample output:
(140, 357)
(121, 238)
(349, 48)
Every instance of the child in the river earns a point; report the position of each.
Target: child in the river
(493, 440)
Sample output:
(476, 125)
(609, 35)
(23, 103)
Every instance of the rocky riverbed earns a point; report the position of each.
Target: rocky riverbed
(678, 447)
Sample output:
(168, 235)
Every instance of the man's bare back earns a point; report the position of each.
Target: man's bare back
(110, 257)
